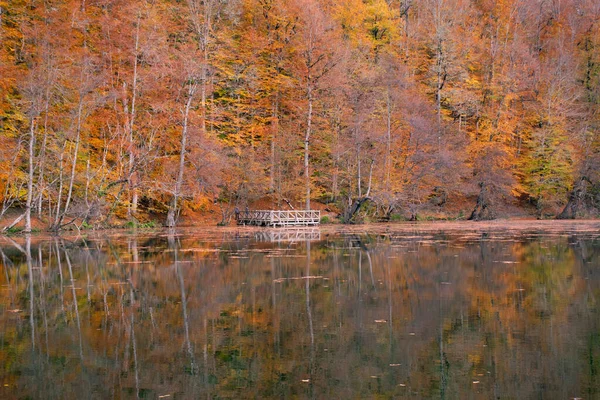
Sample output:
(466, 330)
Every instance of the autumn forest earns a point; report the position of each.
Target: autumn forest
(135, 111)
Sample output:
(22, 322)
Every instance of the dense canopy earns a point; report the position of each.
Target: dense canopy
(138, 110)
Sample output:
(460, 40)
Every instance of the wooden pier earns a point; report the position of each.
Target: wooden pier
(278, 218)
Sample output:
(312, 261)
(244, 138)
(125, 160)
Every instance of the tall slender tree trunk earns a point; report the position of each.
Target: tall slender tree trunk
(388, 142)
(438, 92)
(440, 68)
(203, 89)
(172, 214)
(370, 178)
(30, 178)
(73, 163)
(336, 160)
(87, 184)
(130, 128)
(307, 141)
(358, 172)
(274, 132)
(42, 155)
(60, 185)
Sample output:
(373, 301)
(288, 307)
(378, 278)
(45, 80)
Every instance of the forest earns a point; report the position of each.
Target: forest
(150, 111)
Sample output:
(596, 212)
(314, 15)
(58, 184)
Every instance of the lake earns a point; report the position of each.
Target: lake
(447, 310)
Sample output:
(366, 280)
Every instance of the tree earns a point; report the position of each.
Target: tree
(318, 41)
(584, 196)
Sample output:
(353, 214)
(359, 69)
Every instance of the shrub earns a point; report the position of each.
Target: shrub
(397, 217)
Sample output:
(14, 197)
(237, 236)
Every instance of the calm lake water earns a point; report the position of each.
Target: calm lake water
(456, 311)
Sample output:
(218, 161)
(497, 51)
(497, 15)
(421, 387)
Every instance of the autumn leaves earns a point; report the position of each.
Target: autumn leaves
(143, 110)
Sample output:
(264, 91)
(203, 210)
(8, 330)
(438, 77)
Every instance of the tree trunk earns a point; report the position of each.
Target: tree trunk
(15, 222)
(576, 199)
(482, 210)
(349, 214)
(60, 186)
(30, 178)
(440, 68)
(130, 126)
(354, 209)
(42, 156)
(306, 143)
(274, 131)
(439, 86)
(336, 160)
(87, 184)
(172, 213)
(203, 84)
(73, 165)
(358, 172)
(388, 142)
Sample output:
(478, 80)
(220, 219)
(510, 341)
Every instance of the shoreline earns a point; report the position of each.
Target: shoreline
(502, 225)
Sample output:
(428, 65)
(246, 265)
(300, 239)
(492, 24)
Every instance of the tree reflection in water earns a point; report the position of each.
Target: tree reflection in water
(438, 314)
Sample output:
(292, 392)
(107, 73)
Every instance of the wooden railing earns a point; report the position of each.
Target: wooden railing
(278, 218)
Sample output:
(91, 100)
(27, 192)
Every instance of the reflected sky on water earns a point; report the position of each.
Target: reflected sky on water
(414, 311)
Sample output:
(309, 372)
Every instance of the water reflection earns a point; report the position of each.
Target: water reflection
(391, 314)
(288, 235)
